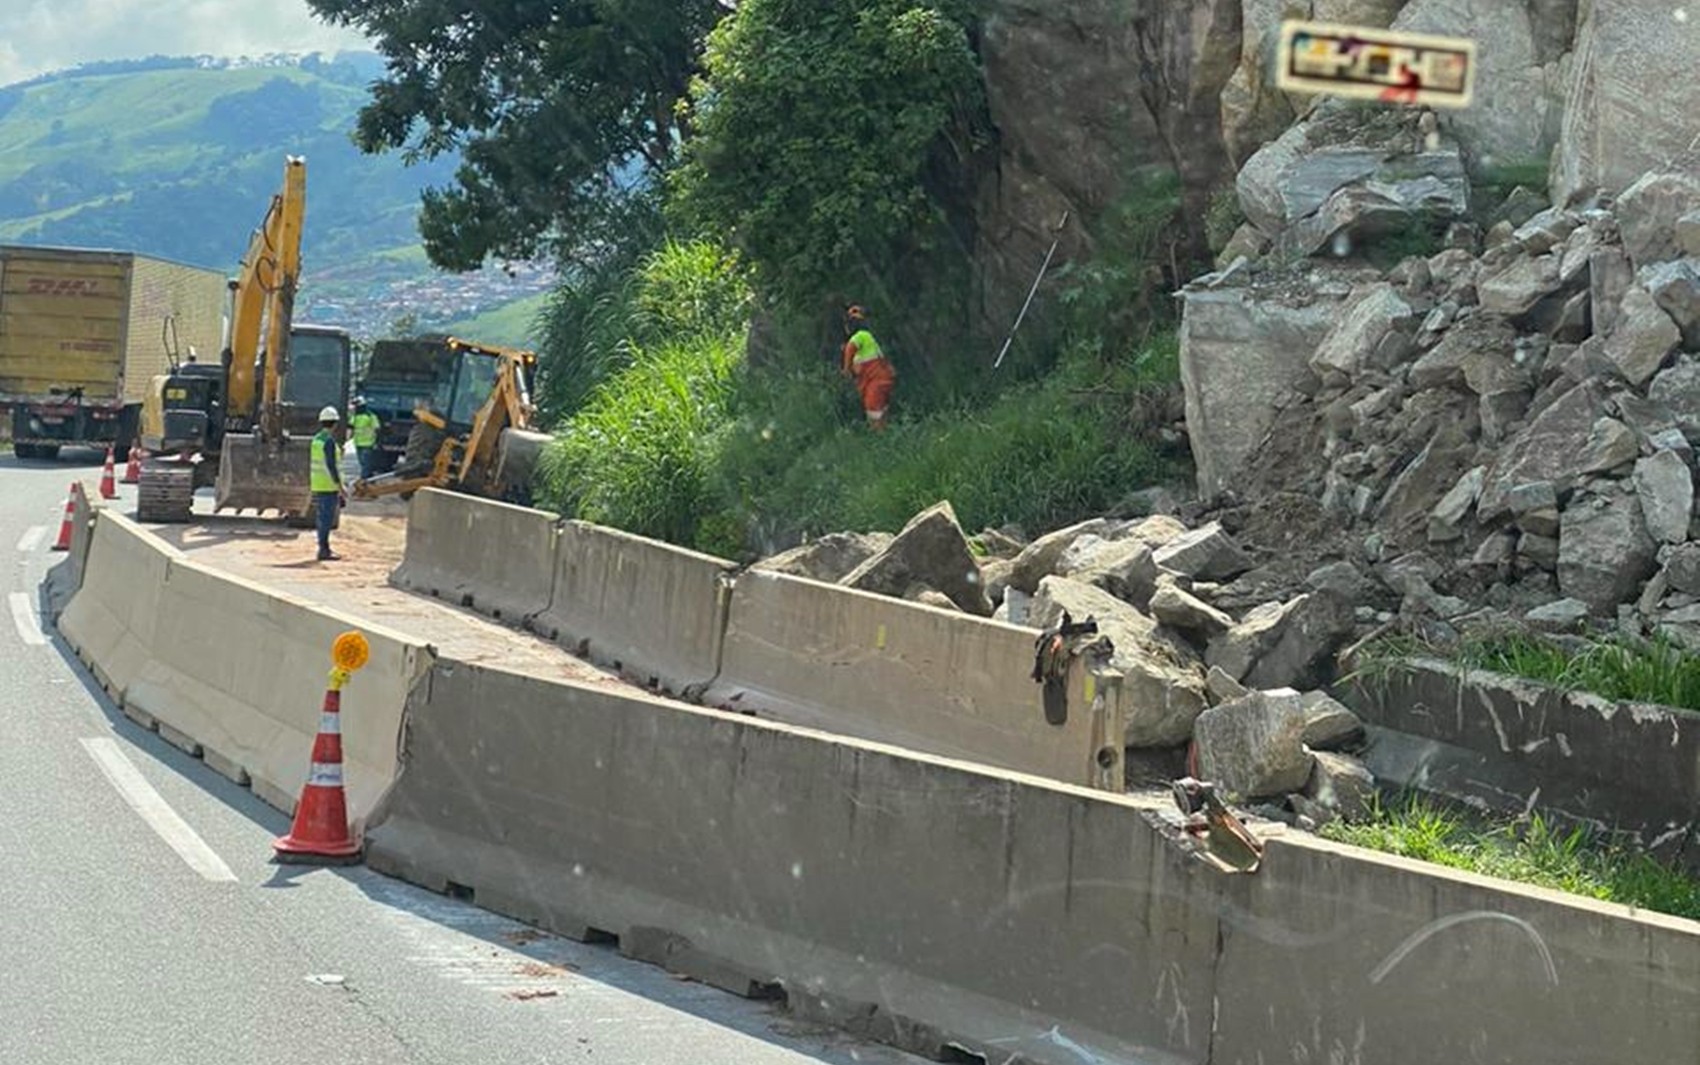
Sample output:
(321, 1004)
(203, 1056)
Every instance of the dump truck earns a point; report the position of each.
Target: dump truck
(82, 334)
(403, 375)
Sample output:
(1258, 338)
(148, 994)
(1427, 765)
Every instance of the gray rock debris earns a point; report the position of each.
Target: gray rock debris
(1039, 559)
(1446, 521)
(1604, 552)
(1162, 679)
(1610, 445)
(1188, 613)
(1643, 337)
(1678, 386)
(1124, 568)
(1517, 287)
(1682, 568)
(1563, 615)
(1329, 724)
(1688, 234)
(830, 558)
(1648, 211)
(1222, 687)
(1208, 553)
(1675, 288)
(1364, 325)
(1342, 785)
(1253, 747)
(931, 550)
(1284, 645)
(1665, 487)
(1609, 277)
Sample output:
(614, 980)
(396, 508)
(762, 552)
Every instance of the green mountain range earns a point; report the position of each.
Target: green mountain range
(177, 157)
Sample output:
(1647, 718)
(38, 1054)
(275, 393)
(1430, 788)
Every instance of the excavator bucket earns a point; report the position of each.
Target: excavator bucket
(261, 475)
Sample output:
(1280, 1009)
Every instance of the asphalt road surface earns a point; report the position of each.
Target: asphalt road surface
(142, 921)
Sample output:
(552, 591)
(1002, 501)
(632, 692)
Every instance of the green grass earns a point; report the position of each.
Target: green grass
(1654, 671)
(513, 324)
(1531, 851)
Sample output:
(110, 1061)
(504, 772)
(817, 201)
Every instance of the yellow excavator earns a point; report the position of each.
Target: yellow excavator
(251, 417)
(475, 435)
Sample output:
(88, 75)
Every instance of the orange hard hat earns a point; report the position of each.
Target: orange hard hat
(856, 313)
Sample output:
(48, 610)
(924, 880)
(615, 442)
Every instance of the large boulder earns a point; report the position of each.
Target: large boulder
(1244, 356)
(1163, 682)
(1284, 645)
(1186, 612)
(1041, 558)
(1342, 785)
(1329, 724)
(1517, 93)
(1518, 286)
(931, 551)
(1631, 96)
(1425, 481)
(1124, 568)
(830, 558)
(1604, 552)
(1549, 449)
(1253, 747)
(1678, 387)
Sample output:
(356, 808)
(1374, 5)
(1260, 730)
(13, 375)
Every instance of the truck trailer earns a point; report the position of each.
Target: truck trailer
(83, 333)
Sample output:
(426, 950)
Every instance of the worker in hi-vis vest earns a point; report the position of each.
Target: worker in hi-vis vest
(865, 362)
(363, 430)
(324, 477)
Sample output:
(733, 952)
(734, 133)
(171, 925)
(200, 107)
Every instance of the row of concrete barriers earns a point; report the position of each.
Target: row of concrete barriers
(798, 650)
(231, 671)
(936, 905)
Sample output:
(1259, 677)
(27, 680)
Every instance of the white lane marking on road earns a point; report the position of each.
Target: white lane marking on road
(31, 539)
(155, 811)
(23, 616)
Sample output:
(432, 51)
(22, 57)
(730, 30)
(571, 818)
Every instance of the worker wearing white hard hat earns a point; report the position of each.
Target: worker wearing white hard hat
(325, 480)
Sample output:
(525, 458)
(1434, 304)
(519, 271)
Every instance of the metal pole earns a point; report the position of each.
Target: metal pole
(1034, 291)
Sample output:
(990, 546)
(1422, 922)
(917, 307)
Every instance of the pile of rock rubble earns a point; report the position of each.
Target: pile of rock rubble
(1175, 610)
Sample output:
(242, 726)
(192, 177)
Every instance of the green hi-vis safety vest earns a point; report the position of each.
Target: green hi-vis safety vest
(365, 428)
(867, 348)
(319, 476)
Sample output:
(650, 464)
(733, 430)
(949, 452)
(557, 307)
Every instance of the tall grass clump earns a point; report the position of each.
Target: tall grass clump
(636, 452)
(1530, 850)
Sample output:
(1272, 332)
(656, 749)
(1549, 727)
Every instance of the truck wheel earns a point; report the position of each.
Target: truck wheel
(23, 451)
(423, 443)
(47, 452)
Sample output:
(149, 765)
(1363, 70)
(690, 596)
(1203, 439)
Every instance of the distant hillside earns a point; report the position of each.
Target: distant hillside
(178, 156)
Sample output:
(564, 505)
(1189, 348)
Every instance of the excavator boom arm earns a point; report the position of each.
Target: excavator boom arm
(263, 304)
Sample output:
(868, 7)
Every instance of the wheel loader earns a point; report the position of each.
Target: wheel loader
(475, 433)
(244, 425)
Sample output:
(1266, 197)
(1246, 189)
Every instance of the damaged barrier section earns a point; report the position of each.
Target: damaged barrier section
(494, 558)
(955, 910)
(233, 672)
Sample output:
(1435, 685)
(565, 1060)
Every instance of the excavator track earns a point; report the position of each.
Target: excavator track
(166, 494)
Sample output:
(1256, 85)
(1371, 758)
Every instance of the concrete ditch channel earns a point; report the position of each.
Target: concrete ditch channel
(933, 869)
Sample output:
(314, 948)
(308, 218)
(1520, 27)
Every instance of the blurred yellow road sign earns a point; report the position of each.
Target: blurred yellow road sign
(1370, 64)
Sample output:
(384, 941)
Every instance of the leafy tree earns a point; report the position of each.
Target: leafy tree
(551, 105)
(830, 136)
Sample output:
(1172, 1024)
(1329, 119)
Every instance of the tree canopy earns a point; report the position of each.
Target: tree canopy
(557, 108)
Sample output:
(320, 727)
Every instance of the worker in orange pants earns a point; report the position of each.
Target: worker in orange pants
(866, 363)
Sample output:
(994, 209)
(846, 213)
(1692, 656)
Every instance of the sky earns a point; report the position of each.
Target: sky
(37, 36)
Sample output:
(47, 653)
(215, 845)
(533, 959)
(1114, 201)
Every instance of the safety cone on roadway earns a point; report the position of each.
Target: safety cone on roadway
(133, 468)
(108, 479)
(64, 541)
(321, 834)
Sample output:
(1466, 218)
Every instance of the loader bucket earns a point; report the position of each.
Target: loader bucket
(518, 455)
(260, 475)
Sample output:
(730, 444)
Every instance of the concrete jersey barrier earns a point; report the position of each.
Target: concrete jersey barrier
(492, 557)
(232, 671)
(934, 904)
(897, 672)
(649, 610)
(1513, 745)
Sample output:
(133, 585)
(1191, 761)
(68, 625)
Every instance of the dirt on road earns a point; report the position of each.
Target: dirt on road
(370, 541)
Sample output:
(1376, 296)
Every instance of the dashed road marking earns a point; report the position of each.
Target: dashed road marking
(31, 539)
(23, 616)
(155, 810)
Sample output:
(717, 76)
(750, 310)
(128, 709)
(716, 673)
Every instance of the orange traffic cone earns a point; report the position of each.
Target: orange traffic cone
(133, 468)
(64, 541)
(320, 834)
(108, 479)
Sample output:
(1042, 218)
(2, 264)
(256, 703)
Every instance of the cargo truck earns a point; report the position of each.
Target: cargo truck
(402, 376)
(82, 334)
